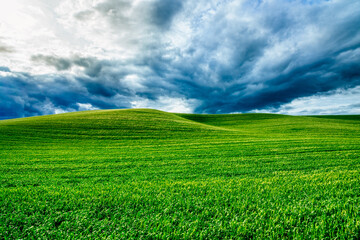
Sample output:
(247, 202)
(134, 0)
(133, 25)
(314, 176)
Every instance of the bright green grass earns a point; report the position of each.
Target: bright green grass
(147, 174)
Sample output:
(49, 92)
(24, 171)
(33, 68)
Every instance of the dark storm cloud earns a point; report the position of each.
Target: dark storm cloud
(321, 76)
(25, 95)
(238, 57)
(92, 66)
(281, 54)
(164, 12)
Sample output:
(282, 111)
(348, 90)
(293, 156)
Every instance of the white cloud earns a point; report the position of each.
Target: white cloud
(104, 30)
(340, 101)
(86, 106)
(168, 104)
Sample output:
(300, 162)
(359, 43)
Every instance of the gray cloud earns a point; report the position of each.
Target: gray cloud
(84, 15)
(92, 66)
(115, 11)
(5, 49)
(157, 12)
(235, 57)
(59, 63)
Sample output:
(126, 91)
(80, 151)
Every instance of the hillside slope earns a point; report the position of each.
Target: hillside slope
(149, 123)
(140, 173)
(105, 123)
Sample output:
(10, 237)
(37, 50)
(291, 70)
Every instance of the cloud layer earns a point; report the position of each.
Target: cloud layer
(185, 56)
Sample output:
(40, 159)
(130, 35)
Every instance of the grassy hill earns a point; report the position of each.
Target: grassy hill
(130, 174)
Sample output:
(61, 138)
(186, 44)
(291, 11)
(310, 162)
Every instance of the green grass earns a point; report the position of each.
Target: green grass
(147, 174)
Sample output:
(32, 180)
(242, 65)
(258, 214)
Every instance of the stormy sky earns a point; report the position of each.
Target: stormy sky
(207, 56)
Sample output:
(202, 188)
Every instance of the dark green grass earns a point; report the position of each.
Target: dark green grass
(132, 174)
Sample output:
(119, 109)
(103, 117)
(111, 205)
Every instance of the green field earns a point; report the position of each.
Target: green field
(147, 174)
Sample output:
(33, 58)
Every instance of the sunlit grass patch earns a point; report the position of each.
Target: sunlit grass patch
(133, 174)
